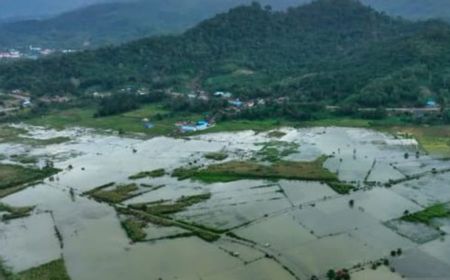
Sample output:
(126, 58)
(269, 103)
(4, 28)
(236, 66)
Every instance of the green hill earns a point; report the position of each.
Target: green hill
(330, 51)
(40, 8)
(115, 23)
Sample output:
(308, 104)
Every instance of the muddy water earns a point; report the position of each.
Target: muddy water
(306, 225)
(29, 242)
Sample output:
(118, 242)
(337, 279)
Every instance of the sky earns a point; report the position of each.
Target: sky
(10, 9)
(31, 9)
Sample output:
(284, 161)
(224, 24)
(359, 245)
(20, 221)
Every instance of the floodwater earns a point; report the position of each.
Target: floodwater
(287, 229)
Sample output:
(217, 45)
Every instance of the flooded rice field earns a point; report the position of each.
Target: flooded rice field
(108, 220)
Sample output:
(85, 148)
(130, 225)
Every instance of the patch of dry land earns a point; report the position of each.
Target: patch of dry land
(15, 177)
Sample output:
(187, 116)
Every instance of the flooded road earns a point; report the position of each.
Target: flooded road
(283, 229)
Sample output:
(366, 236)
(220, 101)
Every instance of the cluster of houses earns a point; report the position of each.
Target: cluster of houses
(186, 127)
(11, 54)
(235, 104)
(14, 101)
(30, 53)
(55, 99)
(126, 90)
(431, 103)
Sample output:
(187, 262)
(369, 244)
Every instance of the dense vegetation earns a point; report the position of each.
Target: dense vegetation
(113, 23)
(427, 215)
(119, 103)
(238, 170)
(55, 270)
(327, 52)
(101, 24)
(15, 176)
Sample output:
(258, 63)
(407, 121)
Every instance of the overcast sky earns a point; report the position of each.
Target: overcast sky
(39, 8)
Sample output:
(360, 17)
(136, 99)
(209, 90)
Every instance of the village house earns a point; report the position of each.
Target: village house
(142, 91)
(147, 123)
(236, 103)
(250, 104)
(281, 100)
(261, 102)
(97, 94)
(55, 99)
(186, 127)
(203, 96)
(431, 104)
(174, 93)
(222, 94)
(10, 55)
(26, 103)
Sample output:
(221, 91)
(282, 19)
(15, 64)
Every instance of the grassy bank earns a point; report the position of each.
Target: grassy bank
(14, 212)
(134, 229)
(239, 170)
(278, 169)
(15, 176)
(164, 208)
(10, 134)
(218, 156)
(207, 234)
(151, 174)
(426, 216)
(43, 142)
(340, 187)
(274, 151)
(242, 125)
(18, 135)
(339, 122)
(130, 122)
(160, 213)
(115, 195)
(55, 270)
(433, 139)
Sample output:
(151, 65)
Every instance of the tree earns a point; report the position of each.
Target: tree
(331, 274)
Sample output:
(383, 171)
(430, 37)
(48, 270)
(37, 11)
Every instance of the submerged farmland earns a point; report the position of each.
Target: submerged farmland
(317, 202)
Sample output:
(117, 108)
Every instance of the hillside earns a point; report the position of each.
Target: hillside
(115, 23)
(330, 51)
(40, 8)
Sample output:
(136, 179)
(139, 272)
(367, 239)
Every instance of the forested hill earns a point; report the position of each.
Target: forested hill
(115, 23)
(330, 51)
(33, 9)
(97, 25)
(126, 20)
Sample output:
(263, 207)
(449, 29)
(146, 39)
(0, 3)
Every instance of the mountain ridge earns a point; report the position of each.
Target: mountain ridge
(41, 8)
(116, 23)
(321, 52)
